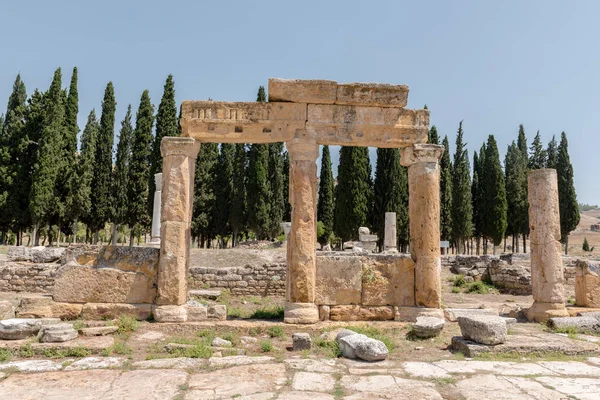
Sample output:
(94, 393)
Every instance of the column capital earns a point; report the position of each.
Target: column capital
(179, 146)
(303, 147)
(421, 153)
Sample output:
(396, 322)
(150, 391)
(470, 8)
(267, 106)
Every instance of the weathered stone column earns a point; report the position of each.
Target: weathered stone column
(547, 275)
(424, 214)
(179, 157)
(155, 235)
(300, 307)
(390, 236)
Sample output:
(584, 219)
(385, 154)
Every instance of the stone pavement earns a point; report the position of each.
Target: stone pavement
(262, 378)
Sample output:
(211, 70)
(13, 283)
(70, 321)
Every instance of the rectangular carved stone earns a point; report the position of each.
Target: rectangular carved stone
(358, 313)
(114, 310)
(339, 280)
(177, 172)
(372, 94)
(388, 280)
(302, 91)
(173, 263)
(241, 122)
(347, 125)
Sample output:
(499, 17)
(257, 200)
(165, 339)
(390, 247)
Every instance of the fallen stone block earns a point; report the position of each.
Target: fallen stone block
(170, 313)
(41, 307)
(196, 311)
(98, 330)
(58, 333)
(38, 254)
(301, 341)
(485, 329)
(428, 327)
(362, 346)
(452, 314)
(218, 312)
(19, 328)
(210, 294)
(585, 323)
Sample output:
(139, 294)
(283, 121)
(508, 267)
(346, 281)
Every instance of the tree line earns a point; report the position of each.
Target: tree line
(52, 184)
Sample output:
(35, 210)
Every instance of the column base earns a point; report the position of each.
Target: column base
(542, 312)
(301, 313)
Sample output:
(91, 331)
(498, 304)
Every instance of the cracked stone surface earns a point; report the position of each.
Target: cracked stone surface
(265, 378)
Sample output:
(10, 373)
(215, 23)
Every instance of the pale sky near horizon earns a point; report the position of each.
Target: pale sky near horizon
(491, 64)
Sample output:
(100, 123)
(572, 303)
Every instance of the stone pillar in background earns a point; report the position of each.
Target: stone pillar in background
(547, 274)
(179, 158)
(424, 213)
(390, 236)
(300, 305)
(155, 235)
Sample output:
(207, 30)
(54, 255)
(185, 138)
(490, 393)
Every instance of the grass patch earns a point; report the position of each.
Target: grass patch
(275, 332)
(26, 351)
(78, 324)
(232, 337)
(234, 312)
(375, 333)
(5, 355)
(126, 323)
(459, 281)
(478, 287)
(456, 289)
(445, 381)
(338, 392)
(571, 331)
(77, 352)
(224, 297)
(119, 347)
(255, 331)
(275, 312)
(330, 348)
(537, 356)
(266, 346)
(207, 336)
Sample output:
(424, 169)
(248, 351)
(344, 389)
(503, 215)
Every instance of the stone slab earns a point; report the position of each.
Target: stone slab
(95, 344)
(302, 91)
(372, 94)
(210, 294)
(45, 307)
(360, 313)
(539, 343)
(388, 280)
(38, 254)
(313, 382)
(339, 280)
(452, 314)
(114, 310)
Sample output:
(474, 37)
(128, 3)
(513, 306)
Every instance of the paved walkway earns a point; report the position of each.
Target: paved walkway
(262, 378)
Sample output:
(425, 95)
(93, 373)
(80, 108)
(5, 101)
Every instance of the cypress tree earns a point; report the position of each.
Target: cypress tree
(261, 96)
(493, 194)
(325, 204)
(121, 175)
(139, 166)
(476, 199)
(237, 216)
(353, 194)
(389, 193)
(552, 154)
(523, 220)
(567, 198)
(12, 131)
(224, 192)
(275, 179)
(205, 195)
(287, 213)
(43, 198)
(445, 192)
(167, 124)
(462, 208)
(586, 245)
(537, 159)
(79, 201)
(432, 136)
(101, 184)
(522, 141)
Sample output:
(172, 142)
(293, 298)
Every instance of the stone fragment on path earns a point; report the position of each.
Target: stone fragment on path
(581, 324)
(58, 333)
(32, 366)
(452, 314)
(98, 330)
(19, 328)
(219, 342)
(485, 329)
(95, 363)
(428, 327)
(363, 347)
(301, 341)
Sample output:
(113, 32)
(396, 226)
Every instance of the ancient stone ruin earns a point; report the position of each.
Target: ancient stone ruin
(305, 114)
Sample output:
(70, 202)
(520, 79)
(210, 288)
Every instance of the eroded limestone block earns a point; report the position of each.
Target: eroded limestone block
(7, 310)
(485, 329)
(41, 307)
(301, 313)
(428, 327)
(114, 310)
(82, 284)
(410, 314)
(302, 91)
(372, 94)
(58, 333)
(172, 274)
(584, 323)
(196, 311)
(388, 280)
(324, 312)
(390, 237)
(452, 314)
(169, 313)
(301, 341)
(363, 347)
(19, 328)
(587, 284)
(339, 280)
(217, 311)
(39, 254)
(360, 313)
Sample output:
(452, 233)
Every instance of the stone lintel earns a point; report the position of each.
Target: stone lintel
(421, 153)
(179, 146)
(330, 92)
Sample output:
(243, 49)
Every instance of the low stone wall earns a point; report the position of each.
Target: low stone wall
(27, 277)
(509, 272)
(256, 280)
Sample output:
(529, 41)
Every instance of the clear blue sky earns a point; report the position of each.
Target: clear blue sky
(493, 64)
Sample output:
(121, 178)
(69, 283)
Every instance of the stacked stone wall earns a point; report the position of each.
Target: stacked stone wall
(27, 277)
(255, 280)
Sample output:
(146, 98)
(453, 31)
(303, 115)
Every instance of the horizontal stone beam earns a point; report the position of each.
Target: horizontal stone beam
(331, 124)
(330, 92)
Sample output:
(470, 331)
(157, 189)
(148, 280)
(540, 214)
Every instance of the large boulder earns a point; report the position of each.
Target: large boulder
(19, 328)
(484, 329)
(38, 254)
(363, 347)
(428, 327)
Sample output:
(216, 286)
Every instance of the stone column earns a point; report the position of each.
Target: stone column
(390, 236)
(179, 158)
(155, 235)
(300, 305)
(547, 274)
(424, 214)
